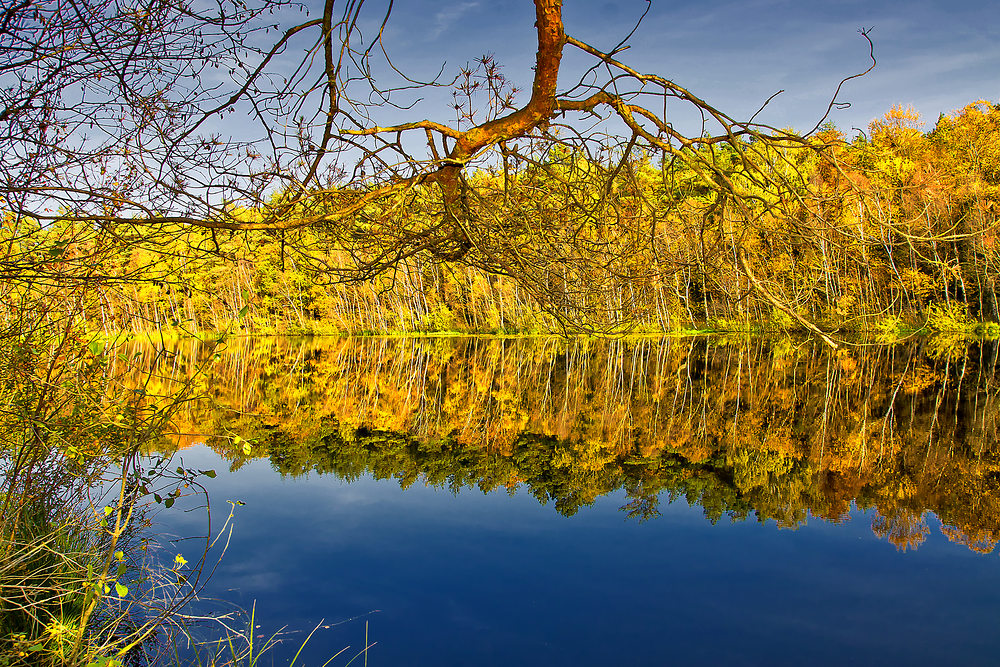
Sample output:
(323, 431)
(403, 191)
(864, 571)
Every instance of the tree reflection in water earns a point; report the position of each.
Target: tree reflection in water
(774, 429)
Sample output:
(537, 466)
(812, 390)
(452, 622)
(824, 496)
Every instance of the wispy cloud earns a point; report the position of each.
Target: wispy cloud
(446, 18)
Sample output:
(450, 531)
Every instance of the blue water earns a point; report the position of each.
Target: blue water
(498, 579)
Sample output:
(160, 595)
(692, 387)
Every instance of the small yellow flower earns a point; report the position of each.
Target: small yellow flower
(57, 629)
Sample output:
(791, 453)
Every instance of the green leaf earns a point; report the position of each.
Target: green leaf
(108, 510)
(58, 248)
(247, 449)
(121, 571)
(168, 503)
(243, 311)
(96, 347)
(119, 556)
(209, 473)
(121, 590)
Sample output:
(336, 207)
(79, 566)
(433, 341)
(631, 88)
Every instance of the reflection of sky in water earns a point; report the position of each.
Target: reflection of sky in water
(498, 579)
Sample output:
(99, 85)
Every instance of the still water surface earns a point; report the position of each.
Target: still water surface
(490, 502)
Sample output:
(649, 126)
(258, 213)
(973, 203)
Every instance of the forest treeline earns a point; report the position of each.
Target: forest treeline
(893, 229)
(772, 429)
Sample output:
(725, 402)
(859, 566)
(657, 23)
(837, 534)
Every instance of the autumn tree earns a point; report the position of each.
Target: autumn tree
(119, 117)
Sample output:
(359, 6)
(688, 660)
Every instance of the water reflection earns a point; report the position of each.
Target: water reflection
(765, 429)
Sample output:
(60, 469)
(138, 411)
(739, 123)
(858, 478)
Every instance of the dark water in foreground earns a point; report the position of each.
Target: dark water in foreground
(509, 502)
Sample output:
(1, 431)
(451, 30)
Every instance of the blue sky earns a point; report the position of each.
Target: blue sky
(936, 56)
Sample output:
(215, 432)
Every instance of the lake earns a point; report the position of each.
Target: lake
(478, 501)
